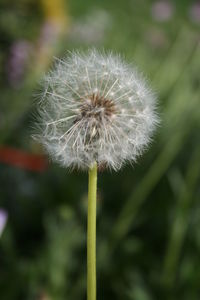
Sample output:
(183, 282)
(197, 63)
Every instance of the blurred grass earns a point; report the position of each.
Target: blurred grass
(148, 241)
(185, 200)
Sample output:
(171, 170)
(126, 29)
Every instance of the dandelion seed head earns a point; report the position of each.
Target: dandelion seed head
(95, 107)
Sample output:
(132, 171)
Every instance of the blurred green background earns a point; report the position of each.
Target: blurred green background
(148, 237)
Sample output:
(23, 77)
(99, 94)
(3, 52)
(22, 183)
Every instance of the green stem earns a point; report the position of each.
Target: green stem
(91, 234)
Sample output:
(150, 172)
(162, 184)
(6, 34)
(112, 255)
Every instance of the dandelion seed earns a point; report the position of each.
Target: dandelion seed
(95, 108)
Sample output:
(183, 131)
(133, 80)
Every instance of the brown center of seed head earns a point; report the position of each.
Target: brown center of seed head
(97, 107)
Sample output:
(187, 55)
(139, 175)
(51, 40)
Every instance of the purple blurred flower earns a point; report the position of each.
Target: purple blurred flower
(3, 220)
(49, 32)
(19, 54)
(162, 10)
(92, 28)
(157, 39)
(195, 12)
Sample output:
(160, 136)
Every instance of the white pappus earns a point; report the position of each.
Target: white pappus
(95, 107)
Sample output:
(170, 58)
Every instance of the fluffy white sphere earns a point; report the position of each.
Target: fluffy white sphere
(95, 107)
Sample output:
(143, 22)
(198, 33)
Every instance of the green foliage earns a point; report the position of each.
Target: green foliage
(148, 238)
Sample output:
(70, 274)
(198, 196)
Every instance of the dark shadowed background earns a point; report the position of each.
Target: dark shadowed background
(148, 237)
